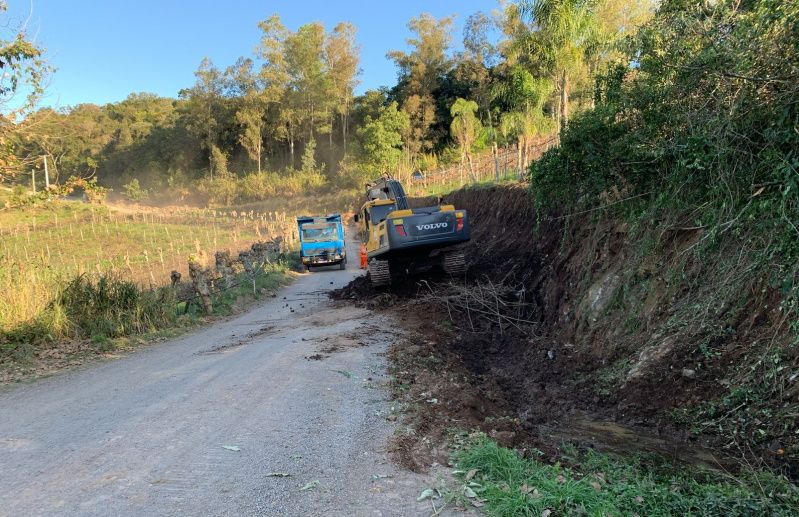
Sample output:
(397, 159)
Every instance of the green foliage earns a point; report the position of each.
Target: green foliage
(218, 162)
(465, 126)
(308, 161)
(23, 64)
(747, 411)
(94, 192)
(381, 139)
(700, 136)
(257, 186)
(111, 307)
(599, 484)
(221, 191)
(420, 73)
(106, 308)
(134, 192)
(705, 121)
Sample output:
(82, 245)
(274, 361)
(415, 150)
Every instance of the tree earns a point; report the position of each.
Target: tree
(202, 104)
(523, 96)
(420, 74)
(308, 77)
(560, 36)
(309, 83)
(380, 139)
(22, 65)
(341, 61)
(274, 77)
(308, 161)
(243, 83)
(465, 128)
(476, 41)
(252, 122)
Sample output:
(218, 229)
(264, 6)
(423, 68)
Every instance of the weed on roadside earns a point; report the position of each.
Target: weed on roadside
(592, 483)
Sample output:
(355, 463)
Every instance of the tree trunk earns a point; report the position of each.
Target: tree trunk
(525, 156)
(258, 152)
(519, 155)
(344, 131)
(471, 167)
(564, 99)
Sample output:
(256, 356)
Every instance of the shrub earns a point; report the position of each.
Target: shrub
(134, 192)
(112, 308)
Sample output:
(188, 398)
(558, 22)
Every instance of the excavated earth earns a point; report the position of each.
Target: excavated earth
(567, 368)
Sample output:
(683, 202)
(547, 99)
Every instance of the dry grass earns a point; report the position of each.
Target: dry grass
(43, 247)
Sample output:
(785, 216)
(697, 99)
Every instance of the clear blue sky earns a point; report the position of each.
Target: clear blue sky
(105, 49)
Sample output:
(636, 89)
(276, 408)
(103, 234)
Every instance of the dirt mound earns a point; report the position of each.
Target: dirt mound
(358, 289)
(361, 291)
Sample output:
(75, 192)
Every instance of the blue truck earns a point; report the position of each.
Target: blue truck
(322, 241)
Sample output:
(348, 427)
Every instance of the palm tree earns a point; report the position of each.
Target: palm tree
(562, 31)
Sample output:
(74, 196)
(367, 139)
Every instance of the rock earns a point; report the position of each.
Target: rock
(391, 418)
(649, 356)
(550, 354)
(599, 296)
(689, 373)
(504, 438)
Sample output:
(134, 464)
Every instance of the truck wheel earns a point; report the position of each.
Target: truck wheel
(454, 263)
(308, 268)
(342, 264)
(379, 272)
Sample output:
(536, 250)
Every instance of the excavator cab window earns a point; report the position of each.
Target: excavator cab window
(379, 213)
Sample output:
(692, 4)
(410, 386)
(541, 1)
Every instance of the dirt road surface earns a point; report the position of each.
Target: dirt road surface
(234, 419)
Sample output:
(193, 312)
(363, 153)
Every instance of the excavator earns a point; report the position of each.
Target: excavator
(401, 241)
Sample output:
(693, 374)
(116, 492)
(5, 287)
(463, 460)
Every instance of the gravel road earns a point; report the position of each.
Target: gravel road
(210, 423)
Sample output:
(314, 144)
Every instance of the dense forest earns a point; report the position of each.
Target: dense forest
(287, 116)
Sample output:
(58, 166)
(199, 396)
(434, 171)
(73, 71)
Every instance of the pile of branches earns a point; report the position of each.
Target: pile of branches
(483, 306)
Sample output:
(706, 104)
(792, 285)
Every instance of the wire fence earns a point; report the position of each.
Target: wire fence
(508, 162)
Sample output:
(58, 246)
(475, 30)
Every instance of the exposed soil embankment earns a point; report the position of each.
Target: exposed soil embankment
(584, 315)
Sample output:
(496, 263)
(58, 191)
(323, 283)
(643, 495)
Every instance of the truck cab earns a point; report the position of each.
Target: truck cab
(322, 241)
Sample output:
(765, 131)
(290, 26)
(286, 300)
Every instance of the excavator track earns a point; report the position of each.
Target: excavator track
(379, 272)
(454, 263)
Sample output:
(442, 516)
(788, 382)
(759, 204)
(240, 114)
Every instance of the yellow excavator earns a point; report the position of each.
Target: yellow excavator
(401, 241)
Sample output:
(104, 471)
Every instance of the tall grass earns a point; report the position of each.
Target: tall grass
(104, 307)
(70, 270)
(43, 247)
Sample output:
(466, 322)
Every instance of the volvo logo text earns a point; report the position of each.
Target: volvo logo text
(431, 226)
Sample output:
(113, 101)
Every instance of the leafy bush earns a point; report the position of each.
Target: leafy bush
(701, 133)
(259, 186)
(134, 192)
(707, 116)
(221, 190)
(111, 307)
